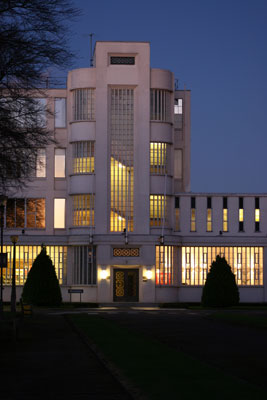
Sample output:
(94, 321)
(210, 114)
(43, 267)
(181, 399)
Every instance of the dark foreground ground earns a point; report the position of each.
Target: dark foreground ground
(239, 350)
(50, 360)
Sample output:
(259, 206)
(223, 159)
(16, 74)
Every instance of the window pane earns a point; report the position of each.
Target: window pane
(60, 113)
(20, 213)
(59, 163)
(59, 213)
(41, 164)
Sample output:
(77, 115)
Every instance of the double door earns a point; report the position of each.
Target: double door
(126, 285)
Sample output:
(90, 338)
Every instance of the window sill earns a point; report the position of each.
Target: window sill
(82, 120)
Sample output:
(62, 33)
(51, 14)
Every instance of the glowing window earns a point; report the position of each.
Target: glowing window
(84, 157)
(158, 158)
(59, 213)
(246, 264)
(25, 256)
(158, 210)
(166, 260)
(193, 215)
(83, 210)
(60, 163)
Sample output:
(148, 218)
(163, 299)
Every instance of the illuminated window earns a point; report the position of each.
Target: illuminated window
(177, 214)
(209, 215)
(84, 157)
(159, 105)
(158, 158)
(83, 210)
(158, 210)
(121, 160)
(25, 255)
(241, 214)
(178, 106)
(84, 266)
(178, 164)
(246, 264)
(60, 163)
(166, 260)
(193, 215)
(59, 213)
(257, 214)
(225, 214)
(25, 213)
(60, 112)
(41, 164)
(84, 107)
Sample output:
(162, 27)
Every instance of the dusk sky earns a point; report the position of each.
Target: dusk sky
(218, 49)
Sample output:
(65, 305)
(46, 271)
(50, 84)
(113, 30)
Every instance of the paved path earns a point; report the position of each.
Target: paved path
(50, 361)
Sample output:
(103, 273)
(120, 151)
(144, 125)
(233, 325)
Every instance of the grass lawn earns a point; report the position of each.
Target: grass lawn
(159, 371)
(254, 321)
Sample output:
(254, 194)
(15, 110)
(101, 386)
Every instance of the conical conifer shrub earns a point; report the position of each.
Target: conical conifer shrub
(42, 287)
(220, 289)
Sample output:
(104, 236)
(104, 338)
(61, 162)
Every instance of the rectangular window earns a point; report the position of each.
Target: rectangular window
(246, 264)
(209, 214)
(178, 106)
(241, 214)
(84, 105)
(84, 266)
(118, 60)
(41, 164)
(166, 270)
(60, 112)
(25, 256)
(59, 213)
(193, 215)
(25, 213)
(177, 214)
(60, 163)
(84, 157)
(257, 214)
(225, 214)
(158, 158)
(83, 210)
(158, 210)
(159, 105)
(178, 164)
(121, 160)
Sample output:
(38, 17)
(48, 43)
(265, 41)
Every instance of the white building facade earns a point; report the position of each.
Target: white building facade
(111, 200)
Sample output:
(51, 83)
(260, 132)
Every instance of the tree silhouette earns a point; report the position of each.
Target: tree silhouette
(33, 39)
(220, 289)
(42, 287)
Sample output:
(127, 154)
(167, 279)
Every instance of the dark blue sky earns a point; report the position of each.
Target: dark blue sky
(218, 49)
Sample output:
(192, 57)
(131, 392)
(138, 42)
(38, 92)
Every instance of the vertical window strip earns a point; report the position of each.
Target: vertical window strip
(246, 263)
(165, 266)
(84, 266)
(159, 209)
(84, 104)
(158, 105)
(121, 162)
(158, 158)
(83, 210)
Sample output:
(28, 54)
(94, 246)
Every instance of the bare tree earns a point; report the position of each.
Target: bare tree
(33, 38)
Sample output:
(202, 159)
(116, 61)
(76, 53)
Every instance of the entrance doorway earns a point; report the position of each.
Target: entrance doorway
(126, 284)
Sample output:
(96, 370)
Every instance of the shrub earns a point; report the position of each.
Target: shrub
(42, 287)
(220, 289)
